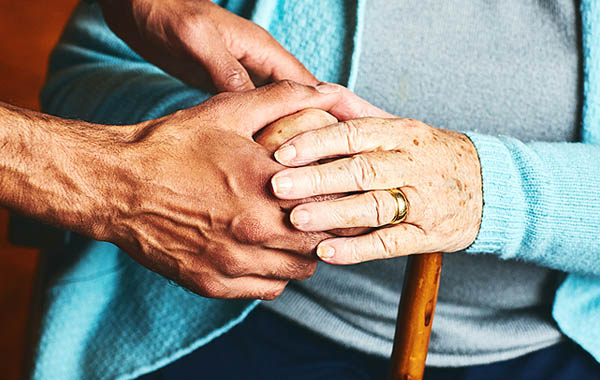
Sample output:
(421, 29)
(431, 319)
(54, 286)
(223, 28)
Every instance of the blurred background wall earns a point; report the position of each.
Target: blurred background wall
(28, 30)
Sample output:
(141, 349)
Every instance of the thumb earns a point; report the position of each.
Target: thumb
(351, 106)
(269, 103)
(267, 60)
(225, 71)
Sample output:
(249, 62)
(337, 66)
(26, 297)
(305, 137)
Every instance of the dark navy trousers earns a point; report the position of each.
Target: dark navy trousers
(266, 346)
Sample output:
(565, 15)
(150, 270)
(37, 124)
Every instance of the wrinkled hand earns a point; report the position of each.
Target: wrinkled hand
(194, 204)
(189, 39)
(274, 135)
(438, 170)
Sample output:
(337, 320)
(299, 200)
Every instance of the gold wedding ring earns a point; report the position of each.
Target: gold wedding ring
(401, 210)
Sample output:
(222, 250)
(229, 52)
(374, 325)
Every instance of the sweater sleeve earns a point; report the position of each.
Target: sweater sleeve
(95, 76)
(541, 203)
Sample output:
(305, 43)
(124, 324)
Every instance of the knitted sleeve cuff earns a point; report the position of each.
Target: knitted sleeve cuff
(503, 197)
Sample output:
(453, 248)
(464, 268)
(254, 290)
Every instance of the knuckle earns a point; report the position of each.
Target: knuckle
(364, 172)
(300, 269)
(234, 77)
(273, 292)
(262, 34)
(379, 204)
(234, 268)
(387, 246)
(317, 180)
(190, 27)
(250, 230)
(351, 132)
(231, 265)
(212, 288)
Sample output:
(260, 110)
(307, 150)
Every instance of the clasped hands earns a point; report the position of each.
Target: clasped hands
(198, 205)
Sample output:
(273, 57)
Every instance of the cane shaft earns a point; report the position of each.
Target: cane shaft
(415, 316)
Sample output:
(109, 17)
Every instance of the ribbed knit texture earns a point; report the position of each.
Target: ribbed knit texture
(540, 202)
(106, 317)
(417, 61)
(577, 301)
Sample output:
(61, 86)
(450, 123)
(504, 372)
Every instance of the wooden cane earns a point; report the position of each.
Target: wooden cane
(415, 316)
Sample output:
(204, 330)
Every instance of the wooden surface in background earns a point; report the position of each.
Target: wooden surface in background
(28, 31)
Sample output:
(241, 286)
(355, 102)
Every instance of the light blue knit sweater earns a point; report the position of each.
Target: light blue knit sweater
(107, 317)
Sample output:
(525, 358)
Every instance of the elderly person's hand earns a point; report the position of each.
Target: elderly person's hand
(437, 170)
(189, 39)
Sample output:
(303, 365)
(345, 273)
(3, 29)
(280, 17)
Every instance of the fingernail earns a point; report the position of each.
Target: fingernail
(300, 217)
(325, 252)
(327, 88)
(282, 185)
(285, 154)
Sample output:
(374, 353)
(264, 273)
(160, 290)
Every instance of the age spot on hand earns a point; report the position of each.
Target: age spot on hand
(459, 184)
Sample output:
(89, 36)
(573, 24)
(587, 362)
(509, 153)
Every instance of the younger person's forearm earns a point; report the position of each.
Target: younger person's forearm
(55, 170)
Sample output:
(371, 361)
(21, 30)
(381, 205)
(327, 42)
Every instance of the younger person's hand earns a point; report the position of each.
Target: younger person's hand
(190, 39)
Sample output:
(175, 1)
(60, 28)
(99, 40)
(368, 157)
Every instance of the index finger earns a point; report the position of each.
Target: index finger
(368, 171)
(340, 139)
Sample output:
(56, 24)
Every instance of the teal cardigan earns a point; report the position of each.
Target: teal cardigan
(105, 317)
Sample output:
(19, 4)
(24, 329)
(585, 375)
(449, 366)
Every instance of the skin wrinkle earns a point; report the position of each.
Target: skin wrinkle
(198, 250)
(433, 167)
(295, 125)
